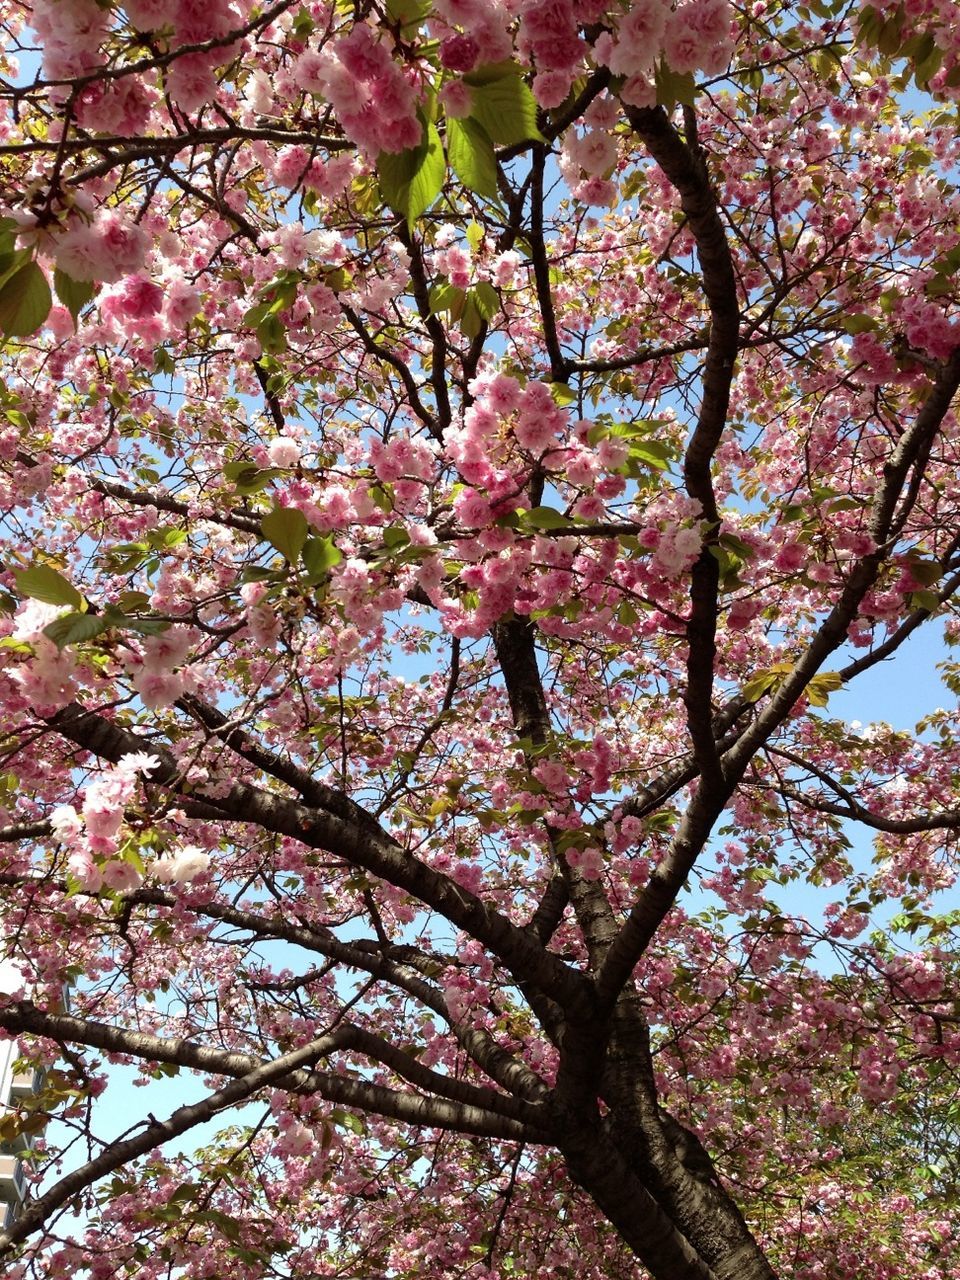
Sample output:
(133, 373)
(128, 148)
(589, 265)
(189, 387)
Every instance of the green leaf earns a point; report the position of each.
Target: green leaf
(859, 324)
(319, 557)
(234, 470)
(11, 261)
(272, 335)
(673, 87)
(74, 294)
(286, 529)
(41, 582)
(25, 302)
(470, 152)
(888, 39)
(248, 478)
(927, 572)
(381, 495)
(925, 599)
(406, 12)
(73, 628)
(758, 685)
(546, 518)
(9, 229)
(821, 686)
(346, 1120)
(486, 299)
(130, 600)
(395, 535)
(447, 297)
(562, 394)
(505, 108)
(471, 321)
(652, 453)
(411, 180)
(146, 626)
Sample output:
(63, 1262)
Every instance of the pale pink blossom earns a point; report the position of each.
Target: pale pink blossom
(182, 866)
(283, 451)
(120, 876)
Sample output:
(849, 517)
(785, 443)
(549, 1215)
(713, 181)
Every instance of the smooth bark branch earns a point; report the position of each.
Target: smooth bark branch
(541, 268)
(914, 444)
(515, 947)
(474, 1102)
(433, 326)
(598, 1167)
(24, 831)
(315, 793)
(156, 1132)
(516, 654)
(162, 501)
(667, 879)
(393, 967)
(946, 821)
(380, 352)
(893, 642)
(217, 137)
(684, 164)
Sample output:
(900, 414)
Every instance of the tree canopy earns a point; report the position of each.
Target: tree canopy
(451, 452)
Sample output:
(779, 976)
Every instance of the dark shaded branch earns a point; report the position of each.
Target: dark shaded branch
(356, 843)
(546, 918)
(373, 348)
(948, 819)
(433, 325)
(668, 877)
(24, 831)
(24, 1017)
(541, 268)
(136, 147)
(684, 164)
(162, 501)
(598, 1167)
(156, 1132)
(902, 633)
(315, 793)
(912, 448)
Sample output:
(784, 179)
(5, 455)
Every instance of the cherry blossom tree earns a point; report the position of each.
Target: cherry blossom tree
(452, 451)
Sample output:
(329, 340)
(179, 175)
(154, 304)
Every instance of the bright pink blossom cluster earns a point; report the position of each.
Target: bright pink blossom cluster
(374, 102)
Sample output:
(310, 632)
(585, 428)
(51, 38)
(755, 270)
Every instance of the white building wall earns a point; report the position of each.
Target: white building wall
(12, 1085)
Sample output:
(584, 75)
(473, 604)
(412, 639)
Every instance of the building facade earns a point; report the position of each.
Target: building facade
(14, 1087)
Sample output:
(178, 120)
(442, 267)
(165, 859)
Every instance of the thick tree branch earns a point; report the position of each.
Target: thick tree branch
(358, 845)
(668, 877)
(314, 793)
(25, 1017)
(948, 819)
(256, 1076)
(684, 164)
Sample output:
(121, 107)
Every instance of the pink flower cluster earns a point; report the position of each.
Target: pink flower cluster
(692, 36)
(104, 248)
(71, 33)
(93, 837)
(374, 102)
(503, 411)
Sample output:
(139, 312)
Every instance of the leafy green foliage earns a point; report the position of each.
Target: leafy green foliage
(411, 180)
(286, 529)
(470, 152)
(43, 582)
(503, 105)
